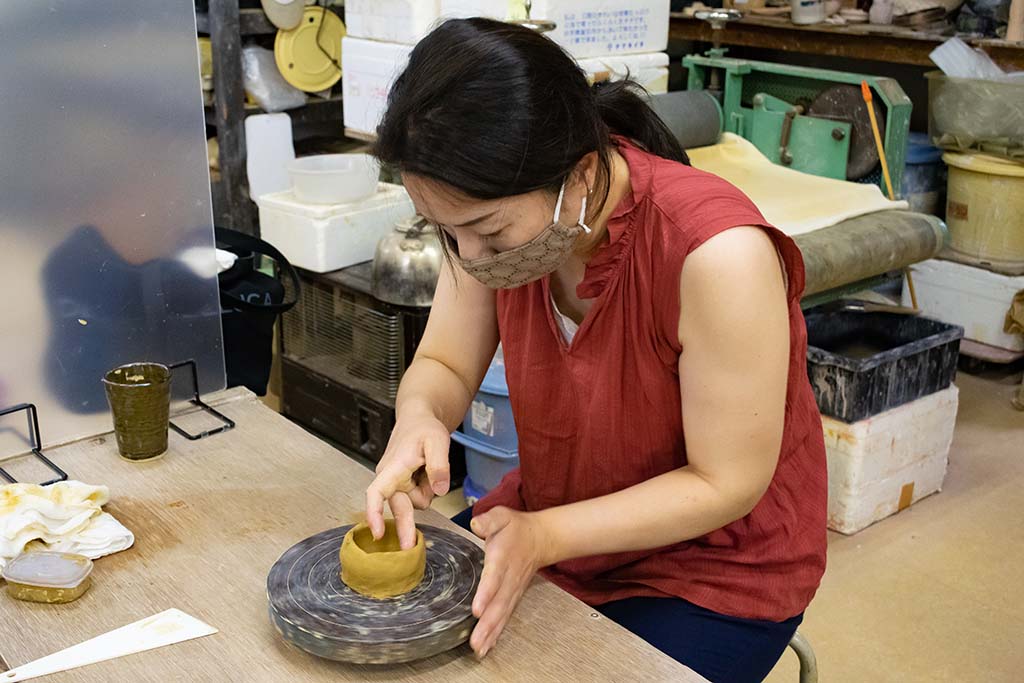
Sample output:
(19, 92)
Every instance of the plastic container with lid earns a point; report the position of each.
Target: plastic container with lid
(48, 577)
(924, 177)
(985, 211)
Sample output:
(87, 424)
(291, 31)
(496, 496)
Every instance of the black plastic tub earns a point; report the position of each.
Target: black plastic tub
(861, 364)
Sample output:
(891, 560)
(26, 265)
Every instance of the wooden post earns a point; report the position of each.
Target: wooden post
(229, 101)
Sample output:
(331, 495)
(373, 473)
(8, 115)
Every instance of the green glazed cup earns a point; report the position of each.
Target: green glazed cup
(140, 399)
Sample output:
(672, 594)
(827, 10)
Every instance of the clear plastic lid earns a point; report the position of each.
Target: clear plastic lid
(48, 569)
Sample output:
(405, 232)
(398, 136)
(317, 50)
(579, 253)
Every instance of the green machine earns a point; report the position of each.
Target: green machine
(811, 120)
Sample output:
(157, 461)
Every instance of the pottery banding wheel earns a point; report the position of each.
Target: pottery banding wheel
(313, 609)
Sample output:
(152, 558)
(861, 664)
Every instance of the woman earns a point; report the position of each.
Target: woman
(672, 461)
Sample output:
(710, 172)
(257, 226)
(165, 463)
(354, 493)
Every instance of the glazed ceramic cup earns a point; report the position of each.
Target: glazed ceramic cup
(140, 400)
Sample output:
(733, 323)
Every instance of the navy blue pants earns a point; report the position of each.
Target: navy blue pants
(721, 648)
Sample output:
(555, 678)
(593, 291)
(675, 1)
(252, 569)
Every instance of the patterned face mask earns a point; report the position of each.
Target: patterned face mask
(533, 260)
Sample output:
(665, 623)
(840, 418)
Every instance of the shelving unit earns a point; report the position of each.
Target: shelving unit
(227, 25)
(855, 41)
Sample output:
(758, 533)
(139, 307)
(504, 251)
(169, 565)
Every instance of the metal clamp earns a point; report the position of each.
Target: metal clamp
(787, 126)
(37, 443)
(196, 401)
(718, 18)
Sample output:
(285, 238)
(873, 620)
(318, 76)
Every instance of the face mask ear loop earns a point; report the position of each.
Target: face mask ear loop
(583, 214)
(558, 204)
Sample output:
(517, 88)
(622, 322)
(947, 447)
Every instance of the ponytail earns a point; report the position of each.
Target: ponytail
(623, 107)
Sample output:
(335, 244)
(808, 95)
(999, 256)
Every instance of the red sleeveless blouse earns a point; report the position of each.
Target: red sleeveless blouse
(603, 413)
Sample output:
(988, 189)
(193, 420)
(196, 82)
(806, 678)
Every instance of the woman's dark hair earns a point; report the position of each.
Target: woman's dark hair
(495, 110)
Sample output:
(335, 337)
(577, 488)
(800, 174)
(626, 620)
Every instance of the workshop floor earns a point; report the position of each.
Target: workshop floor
(933, 593)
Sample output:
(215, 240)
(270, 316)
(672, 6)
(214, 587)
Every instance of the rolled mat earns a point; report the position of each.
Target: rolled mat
(866, 246)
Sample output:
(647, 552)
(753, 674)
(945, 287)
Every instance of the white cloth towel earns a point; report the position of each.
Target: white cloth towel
(65, 517)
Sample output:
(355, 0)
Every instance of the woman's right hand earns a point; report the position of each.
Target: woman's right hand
(413, 469)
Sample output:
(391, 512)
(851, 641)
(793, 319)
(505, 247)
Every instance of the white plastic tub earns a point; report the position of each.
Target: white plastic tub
(334, 178)
(985, 211)
(973, 298)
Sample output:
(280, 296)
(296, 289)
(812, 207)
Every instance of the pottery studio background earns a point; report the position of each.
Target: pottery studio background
(187, 189)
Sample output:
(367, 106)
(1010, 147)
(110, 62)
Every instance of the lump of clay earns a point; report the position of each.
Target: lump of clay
(380, 568)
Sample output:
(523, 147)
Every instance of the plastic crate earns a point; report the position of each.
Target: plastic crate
(485, 465)
(861, 364)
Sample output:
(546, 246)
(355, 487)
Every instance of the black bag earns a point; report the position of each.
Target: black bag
(250, 302)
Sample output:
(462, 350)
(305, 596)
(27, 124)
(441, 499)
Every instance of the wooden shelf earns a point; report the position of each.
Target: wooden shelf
(251, 22)
(891, 44)
(316, 110)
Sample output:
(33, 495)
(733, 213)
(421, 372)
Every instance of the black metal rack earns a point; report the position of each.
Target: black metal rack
(36, 444)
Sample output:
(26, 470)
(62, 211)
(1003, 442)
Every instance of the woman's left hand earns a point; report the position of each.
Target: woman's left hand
(517, 546)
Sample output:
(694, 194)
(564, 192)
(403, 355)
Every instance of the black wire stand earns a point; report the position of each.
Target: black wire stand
(36, 441)
(228, 423)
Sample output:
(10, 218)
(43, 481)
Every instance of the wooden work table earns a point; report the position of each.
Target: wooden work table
(212, 516)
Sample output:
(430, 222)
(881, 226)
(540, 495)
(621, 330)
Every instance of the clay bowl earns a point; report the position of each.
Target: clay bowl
(380, 568)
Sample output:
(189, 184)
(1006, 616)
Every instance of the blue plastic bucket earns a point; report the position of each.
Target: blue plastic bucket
(485, 465)
(489, 419)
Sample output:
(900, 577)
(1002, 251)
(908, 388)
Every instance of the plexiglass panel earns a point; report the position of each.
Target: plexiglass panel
(106, 239)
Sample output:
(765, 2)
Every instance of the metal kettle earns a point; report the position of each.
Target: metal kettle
(407, 264)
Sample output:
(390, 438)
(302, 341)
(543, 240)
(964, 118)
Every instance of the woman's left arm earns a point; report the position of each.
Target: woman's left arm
(734, 331)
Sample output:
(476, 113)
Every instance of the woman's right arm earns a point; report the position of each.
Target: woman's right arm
(436, 390)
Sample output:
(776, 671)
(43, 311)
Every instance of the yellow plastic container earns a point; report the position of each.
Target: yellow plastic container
(49, 577)
(985, 210)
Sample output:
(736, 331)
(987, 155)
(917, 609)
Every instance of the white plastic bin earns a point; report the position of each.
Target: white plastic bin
(974, 298)
(370, 68)
(586, 28)
(394, 21)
